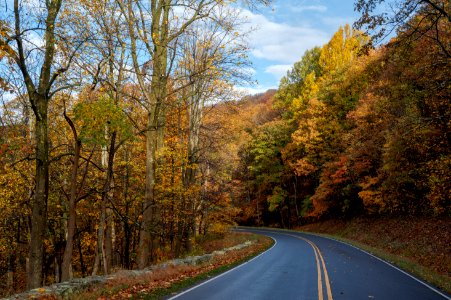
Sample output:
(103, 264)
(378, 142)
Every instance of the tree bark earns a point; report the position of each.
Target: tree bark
(39, 202)
(10, 273)
(147, 241)
(109, 243)
(67, 257)
(149, 235)
(125, 221)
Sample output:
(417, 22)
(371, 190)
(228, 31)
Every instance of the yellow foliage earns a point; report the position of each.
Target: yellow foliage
(371, 195)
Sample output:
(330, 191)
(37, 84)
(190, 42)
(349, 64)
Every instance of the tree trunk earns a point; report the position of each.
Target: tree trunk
(67, 258)
(10, 273)
(296, 198)
(155, 98)
(127, 239)
(104, 247)
(109, 236)
(100, 253)
(180, 227)
(149, 235)
(39, 204)
(82, 263)
(125, 221)
(95, 267)
(195, 106)
(148, 231)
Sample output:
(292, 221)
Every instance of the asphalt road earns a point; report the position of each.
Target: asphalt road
(303, 266)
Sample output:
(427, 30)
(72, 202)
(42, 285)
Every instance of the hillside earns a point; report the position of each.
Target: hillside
(351, 134)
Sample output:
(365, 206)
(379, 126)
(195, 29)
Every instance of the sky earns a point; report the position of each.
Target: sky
(285, 30)
(282, 32)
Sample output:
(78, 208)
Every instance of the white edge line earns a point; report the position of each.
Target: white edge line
(364, 251)
(384, 261)
(222, 274)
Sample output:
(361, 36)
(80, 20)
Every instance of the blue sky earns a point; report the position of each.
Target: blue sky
(286, 29)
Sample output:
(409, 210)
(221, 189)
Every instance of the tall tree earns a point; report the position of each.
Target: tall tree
(39, 73)
(156, 37)
(73, 194)
(154, 32)
(213, 59)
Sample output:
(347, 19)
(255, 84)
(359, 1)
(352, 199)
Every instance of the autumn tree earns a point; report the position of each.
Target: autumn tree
(84, 97)
(151, 26)
(214, 57)
(15, 160)
(292, 85)
(154, 32)
(35, 60)
(382, 18)
(108, 71)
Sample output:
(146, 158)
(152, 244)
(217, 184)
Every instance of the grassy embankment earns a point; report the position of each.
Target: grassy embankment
(420, 246)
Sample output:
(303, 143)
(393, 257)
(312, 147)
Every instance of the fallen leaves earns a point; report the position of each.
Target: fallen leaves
(164, 278)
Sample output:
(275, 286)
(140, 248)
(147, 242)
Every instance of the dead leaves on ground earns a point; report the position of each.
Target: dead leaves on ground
(165, 278)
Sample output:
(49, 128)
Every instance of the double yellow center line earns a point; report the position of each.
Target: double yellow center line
(319, 263)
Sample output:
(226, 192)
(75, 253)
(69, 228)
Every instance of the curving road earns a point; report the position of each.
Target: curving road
(304, 266)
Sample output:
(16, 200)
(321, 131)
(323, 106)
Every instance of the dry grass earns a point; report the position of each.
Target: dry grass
(209, 244)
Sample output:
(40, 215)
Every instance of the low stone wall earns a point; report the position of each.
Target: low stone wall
(65, 290)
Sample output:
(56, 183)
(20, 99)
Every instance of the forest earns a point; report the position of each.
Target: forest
(123, 138)
(348, 134)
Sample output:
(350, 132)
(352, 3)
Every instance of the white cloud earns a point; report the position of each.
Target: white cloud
(282, 42)
(250, 71)
(35, 40)
(318, 8)
(278, 70)
(247, 90)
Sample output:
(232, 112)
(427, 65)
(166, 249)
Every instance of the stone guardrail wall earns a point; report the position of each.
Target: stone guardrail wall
(65, 290)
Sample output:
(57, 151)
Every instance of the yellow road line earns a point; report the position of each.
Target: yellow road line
(326, 275)
(320, 282)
